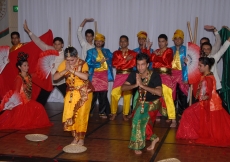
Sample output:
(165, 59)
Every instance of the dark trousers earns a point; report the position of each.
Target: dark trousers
(104, 106)
(134, 92)
(62, 89)
(181, 100)
(44, 95)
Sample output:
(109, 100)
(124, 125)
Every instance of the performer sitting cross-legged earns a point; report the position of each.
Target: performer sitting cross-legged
(146, 102)
(123, 60)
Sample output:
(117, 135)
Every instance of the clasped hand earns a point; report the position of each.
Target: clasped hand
(138, 81)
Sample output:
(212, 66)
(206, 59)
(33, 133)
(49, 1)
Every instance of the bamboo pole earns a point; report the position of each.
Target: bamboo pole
(195, 30)
(95, 25)
(191, 40)
(69, 36)
(190, 31)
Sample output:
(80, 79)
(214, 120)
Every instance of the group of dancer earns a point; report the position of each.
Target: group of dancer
(155, 80)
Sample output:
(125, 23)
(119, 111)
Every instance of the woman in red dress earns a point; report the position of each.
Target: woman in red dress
(206, 121)
(28, 115)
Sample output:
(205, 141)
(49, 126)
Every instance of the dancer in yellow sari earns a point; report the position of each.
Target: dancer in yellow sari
(78, 98)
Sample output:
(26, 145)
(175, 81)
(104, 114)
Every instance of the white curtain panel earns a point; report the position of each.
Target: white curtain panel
(122, 17)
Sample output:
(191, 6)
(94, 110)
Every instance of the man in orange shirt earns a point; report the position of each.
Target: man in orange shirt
(15, 40)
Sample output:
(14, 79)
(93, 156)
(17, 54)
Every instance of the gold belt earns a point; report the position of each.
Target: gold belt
(124, 71)
(72, 88)
(164, 70)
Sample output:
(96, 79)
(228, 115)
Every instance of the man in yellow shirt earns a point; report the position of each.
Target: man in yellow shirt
(179, 72)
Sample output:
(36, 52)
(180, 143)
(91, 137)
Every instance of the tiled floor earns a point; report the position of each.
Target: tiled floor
(105, 141)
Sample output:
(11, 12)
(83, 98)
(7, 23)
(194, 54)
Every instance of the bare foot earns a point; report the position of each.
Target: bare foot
(103, 116)
(138, 152)
(158, 119)
(130, 116)
(81, 142)
(173, 124)
(125, 118)
(168, 120)
(152, 146)
(112, 117)
(75, 141)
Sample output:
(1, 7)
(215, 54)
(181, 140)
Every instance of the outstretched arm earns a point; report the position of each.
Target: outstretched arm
(222, 50)
(216, 46)
(79, 32)
(36, 40)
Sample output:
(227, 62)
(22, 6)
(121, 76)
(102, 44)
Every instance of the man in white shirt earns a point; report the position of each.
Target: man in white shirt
(89, 35)
(216, 46)
(58, 44)
(206, 50)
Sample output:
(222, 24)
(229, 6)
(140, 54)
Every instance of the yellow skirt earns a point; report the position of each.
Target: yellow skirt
(82, 114)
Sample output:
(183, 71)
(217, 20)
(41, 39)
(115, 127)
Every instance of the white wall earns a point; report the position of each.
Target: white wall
(117, 17)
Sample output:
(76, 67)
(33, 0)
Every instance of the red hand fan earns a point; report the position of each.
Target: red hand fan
(4, 54)
(193, 55)
(45, 63)
(10, 100)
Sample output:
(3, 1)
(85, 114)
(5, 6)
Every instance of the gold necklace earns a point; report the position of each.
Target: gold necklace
(27, 88)
(142, 97)
(125, 54)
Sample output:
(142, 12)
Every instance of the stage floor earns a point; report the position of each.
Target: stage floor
(105, 141)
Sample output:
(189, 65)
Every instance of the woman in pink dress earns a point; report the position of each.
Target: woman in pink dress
(28, 115)
(206, 122)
